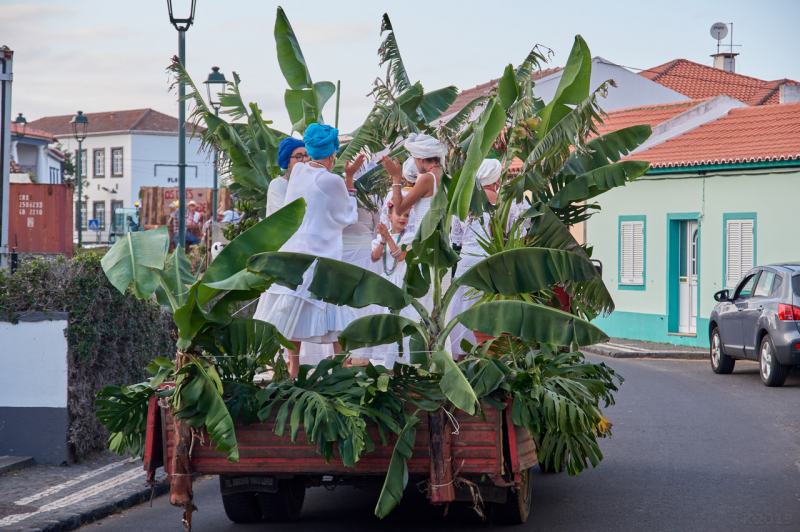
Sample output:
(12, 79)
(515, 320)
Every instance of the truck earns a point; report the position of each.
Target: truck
(456, 457)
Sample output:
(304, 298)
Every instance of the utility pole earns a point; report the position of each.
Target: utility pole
(6, 78)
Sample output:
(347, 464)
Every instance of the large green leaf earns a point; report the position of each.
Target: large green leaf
(597, 181)
(530, 322)
(290, 57)
(133, 258)
(176, 279)
(294, 98)
(397, 474)
(526, 270)
(123, 412)
(437, 102)
(507, 88)
(432, 241)
(377, 329)
(333, 281)
(270, 234)
(573, 87)
(460, 118)
(606, 149)
(454, 384)
(244, 337)
(389, 52)
(486, 128)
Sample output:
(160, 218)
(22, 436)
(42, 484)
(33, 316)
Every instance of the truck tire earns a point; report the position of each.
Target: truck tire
(242, 507)
(518, 506)
(286, 504)
(721, 363)
(772, 372)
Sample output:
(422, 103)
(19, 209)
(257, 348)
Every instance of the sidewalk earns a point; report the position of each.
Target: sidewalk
(57, 499)
(623, 348)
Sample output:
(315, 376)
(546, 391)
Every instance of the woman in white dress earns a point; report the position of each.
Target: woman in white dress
(467, 235)
(330, 207)
(290, 152)
(410, 178)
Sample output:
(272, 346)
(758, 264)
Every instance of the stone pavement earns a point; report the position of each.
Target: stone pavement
(57, 499)
(623, 348)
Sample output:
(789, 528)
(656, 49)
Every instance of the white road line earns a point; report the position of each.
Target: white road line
(627, 347)
(77, 497)
(70, 483)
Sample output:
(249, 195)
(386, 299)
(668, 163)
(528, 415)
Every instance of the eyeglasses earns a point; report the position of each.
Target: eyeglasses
(300, 157)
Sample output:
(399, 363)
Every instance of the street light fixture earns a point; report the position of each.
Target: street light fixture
(80, 126)
(184, 19)
(22, 126)
(215, 84)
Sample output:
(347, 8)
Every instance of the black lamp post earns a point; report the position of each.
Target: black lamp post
(182, 19)
(215, 84)
(80, 125)
(22, 126)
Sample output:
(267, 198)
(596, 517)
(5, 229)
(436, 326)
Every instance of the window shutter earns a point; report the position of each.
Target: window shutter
(632, 253)
(739, 252)
(747, 246)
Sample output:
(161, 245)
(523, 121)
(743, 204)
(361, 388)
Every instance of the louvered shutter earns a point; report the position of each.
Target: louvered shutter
(739, 253)
(632, 253)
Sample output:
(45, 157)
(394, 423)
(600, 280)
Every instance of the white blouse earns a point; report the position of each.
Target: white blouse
(276, 194)
(467, 235)
(360, 234)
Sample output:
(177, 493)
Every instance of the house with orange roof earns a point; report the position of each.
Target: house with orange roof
(34, 155)
(124, 151)
(724, 180)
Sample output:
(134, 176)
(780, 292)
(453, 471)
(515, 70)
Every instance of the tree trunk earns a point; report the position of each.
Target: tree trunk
(442, 490)
(180, 491)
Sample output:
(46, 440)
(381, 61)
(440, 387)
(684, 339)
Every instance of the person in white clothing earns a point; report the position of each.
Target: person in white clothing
(290, 152)
(409, 179)
(387, 252)
(330, 207)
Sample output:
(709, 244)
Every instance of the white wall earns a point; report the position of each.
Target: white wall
(150, 150)
(632, 89)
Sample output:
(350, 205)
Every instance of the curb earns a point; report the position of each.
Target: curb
(675, 355)
(14, 463)
(77, 520)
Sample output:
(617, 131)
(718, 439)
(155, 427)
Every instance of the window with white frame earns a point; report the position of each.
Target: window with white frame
(631, 268)
(84, 162)
(116, 162)
(84, 216)
(100, 163)
(739, 250)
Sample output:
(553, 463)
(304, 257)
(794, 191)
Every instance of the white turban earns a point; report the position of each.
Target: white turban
(421, 146)
(489, 171)
(410, 170)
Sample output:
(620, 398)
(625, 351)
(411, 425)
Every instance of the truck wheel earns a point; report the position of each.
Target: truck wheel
(242, 507)
(518, 506)
(773, 373)
(720, 362)
(287, 503)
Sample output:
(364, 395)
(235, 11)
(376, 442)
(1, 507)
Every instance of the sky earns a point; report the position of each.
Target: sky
(101, 55)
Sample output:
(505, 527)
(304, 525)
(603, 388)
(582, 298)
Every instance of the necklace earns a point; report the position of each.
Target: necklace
(433, 167)
(390, 271)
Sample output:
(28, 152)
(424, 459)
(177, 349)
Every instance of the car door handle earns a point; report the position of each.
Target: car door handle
(760, 307)
(740, 309)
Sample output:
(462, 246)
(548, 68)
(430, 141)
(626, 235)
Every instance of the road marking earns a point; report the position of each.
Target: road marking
(76, 497)
(70, 483)
(628, 347)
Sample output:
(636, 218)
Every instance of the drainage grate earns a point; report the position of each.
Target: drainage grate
(8, 508)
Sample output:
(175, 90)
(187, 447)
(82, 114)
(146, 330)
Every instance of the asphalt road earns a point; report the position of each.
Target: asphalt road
(690, 450)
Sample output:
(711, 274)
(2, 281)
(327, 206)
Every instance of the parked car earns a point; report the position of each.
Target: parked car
(759, 320)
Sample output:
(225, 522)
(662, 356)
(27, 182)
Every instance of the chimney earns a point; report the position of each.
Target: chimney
(725, 61)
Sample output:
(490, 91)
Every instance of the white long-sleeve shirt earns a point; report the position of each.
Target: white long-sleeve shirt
(276, 194)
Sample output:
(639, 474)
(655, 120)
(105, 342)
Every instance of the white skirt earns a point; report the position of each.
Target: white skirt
(459, 304)
(300, 320)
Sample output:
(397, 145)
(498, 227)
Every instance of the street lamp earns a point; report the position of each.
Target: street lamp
(182, 22)
(22, 126)
(80, 125)
(215, 84)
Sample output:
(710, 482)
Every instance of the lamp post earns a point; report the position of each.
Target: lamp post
(215, 84)
(80, 125)
(182, 23)
(22, 126)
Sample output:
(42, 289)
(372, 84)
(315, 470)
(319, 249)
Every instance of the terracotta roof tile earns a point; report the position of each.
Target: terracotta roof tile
(112, 122)
(701, 82)
(14, 168)
(746, 134)
(31, 132)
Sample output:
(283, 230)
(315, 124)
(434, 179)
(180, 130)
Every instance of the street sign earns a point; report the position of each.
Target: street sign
(94, 225)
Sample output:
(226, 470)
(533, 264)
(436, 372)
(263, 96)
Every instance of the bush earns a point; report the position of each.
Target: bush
(111, 336)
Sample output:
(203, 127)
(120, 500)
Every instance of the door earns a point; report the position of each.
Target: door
(751, 316)
(687, 278)
(731, 317)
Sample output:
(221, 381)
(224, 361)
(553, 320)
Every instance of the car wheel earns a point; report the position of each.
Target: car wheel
(286, 504)
(773, 373)
(720, 362)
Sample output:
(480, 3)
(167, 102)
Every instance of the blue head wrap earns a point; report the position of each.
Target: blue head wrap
(285, 149)
(321, 141)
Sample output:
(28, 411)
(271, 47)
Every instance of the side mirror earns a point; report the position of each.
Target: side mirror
(598, 266)
(722, 295)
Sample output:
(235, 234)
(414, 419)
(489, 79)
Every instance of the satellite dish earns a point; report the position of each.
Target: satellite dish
(719, 30)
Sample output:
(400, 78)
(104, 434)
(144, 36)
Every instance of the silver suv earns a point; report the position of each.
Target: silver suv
(760, 321)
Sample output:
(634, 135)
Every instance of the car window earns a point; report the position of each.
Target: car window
(796, 285)
(764, 286)
(776, 284)
(745, 288)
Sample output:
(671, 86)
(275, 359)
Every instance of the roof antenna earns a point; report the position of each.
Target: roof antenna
(723, 60)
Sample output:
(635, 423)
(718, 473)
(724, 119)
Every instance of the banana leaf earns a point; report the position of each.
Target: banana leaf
(377, 329)
(573, 87)
(597, 181)
(454, 384)
(123, 412)
(436, 102)
(432, 240)
(526, 270)
(133, 258)
(507, 89)
(530, 321)
(609, 147)
(244, 337)
(176, 279)
(290, 57)
(397, 474)
(389, 52)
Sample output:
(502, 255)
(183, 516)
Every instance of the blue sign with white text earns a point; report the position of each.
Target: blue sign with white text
(94, 225)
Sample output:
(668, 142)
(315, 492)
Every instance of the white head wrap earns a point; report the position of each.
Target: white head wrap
(489, 171)
(421, 146)
(410, 171)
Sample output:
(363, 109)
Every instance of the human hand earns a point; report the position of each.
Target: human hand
(393, 168)
(350, 168)
(383, 231)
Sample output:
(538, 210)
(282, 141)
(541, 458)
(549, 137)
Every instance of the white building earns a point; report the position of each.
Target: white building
(31, 151)
(124, 151)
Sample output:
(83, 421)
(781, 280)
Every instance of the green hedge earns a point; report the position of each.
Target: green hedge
(111, 336)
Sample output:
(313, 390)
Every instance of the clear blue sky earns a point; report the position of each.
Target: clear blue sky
(101, 55)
